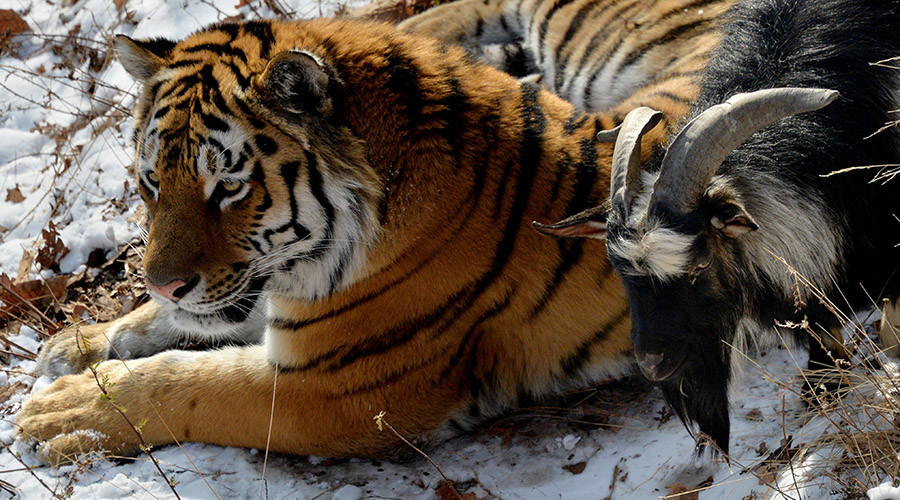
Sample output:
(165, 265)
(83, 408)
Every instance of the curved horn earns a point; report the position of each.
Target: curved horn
(591, 223)
(626, 163)
(700, 148)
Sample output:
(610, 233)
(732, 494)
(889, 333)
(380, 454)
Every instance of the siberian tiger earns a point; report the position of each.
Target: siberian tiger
(355, 203)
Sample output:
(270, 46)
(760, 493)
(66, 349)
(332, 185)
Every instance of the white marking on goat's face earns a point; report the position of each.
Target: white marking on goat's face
(656, 251)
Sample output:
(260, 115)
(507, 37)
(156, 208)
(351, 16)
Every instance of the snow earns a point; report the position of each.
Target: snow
(637, 454)
(884, 491)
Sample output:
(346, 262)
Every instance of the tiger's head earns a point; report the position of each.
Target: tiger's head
(250, 180)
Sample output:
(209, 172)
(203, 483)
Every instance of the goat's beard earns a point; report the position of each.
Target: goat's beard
(698, 394)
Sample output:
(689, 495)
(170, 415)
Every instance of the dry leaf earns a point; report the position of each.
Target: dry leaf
(680, 492)
(12, 22)
(754, 415)
(120, 4)
(14, 195)
(575, 468)
(53, 249)
(24, 265)
(447, 491)
(38, 293)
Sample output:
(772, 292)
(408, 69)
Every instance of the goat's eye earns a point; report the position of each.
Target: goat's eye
(702, 265)
(231, 187)
(152, 177)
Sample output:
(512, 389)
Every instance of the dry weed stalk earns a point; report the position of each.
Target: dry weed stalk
(109, 396)
(381, 422)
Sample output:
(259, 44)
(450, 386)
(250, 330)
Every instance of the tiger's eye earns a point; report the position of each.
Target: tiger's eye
(151, 175)
(231, 186)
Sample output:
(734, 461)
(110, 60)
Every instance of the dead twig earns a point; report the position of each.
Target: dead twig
(382, 423)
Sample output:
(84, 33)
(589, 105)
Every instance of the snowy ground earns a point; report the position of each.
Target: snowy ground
(64, 120)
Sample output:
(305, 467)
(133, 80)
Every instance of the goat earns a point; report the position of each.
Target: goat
(738, 226)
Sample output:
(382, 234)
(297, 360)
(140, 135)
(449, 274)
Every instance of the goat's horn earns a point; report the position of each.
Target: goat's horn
(609, 135)
(626, 163)
(700, 148)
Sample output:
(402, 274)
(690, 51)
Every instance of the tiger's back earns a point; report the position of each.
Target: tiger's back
(598, 54)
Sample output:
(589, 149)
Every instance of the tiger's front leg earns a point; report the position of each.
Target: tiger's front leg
(224, 397)
(141, 333)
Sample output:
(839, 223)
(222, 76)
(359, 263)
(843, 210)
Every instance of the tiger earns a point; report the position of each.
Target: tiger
(594, 53)
(347, 207)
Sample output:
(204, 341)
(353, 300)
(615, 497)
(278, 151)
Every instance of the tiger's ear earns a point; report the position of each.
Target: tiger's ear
(142, 58)
(299, 82)
(590, 223)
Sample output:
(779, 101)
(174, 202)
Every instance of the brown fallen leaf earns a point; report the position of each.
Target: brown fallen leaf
(14, 195)
(680, 492)
(24, 300)
(447, 491)
(53, 249)
(24, 266)
(575, 468)
(10, 22)
(754, 415)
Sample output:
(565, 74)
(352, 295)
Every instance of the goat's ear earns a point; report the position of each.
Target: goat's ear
(299, 82)
(731, 219)
(142, 58)
(588, 224)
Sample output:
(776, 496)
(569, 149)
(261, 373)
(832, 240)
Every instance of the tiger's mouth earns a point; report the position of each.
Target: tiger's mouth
(235, 309)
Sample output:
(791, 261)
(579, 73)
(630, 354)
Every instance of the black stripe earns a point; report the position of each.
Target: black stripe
(557, 5)
(248, 114)
(212, 122)
(667, 95)
(399, 335)
(184, 62)
(163, 111)
(465, 345)
(265, 144)
(382, 382)
(403, 78)
(574, 122)
(576, 360)
(263, 32)
(290, 172)
(670, 35)
(563, 167)
(229, 28)
(242, 81)
(220, 50)
(316, 186)
(500, 196)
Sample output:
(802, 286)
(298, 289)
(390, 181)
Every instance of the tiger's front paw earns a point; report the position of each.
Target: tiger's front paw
(72, 350)
(78, 414)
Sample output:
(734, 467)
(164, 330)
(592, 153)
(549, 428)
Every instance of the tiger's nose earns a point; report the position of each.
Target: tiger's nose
(173, 290)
